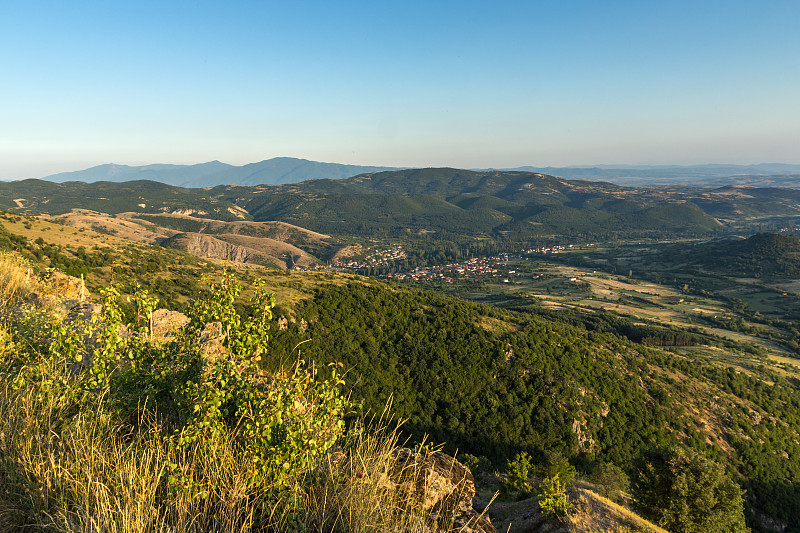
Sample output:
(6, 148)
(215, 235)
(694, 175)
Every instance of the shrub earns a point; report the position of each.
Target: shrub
(684, 492)
(553, 499)
(200, 429)
(517, 473)
(556, 465)
(611, 480)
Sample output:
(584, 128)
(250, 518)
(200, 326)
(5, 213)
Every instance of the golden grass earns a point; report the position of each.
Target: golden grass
(54, 232)
(594, 513)
(16, 279)
(67, 471)
(352, 493)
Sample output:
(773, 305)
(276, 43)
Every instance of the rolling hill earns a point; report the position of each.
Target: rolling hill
(434, 204)
(44, 197)
(520, 205)
(280, 170)
(273, 244)
(764, 254)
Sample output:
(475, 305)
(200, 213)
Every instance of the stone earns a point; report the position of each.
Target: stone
(166, 323)
(83, 312)
(66, 287)
(211, 339)
(440, 486)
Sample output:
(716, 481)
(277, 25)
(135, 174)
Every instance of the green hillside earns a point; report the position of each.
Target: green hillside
(768, 255)
(435, 205)
(446, 202)
(493, 383)
(764, 254)
(37, 197)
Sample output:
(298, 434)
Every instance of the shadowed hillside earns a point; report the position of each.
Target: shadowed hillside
(764, 254)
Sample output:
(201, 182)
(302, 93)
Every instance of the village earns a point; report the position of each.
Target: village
(376, 258)
(471, 268)
(476, 267)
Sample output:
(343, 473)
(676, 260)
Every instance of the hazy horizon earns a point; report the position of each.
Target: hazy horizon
(601, 166)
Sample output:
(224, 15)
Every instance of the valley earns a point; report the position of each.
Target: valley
(498, 312)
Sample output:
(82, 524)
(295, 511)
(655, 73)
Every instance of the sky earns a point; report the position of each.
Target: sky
(435, 83)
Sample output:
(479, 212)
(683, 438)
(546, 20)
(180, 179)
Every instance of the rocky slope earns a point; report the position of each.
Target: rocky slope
(241, 249)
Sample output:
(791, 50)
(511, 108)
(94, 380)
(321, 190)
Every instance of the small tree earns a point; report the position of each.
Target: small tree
(553, 497)
(556, 465)
(686, 493)
(611, 480)
(517, 473)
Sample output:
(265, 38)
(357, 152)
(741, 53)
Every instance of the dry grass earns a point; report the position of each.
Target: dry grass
(54, 232)
(16, 279)
(364, 489)
(67, 471)
(352, 493)
(595, 514)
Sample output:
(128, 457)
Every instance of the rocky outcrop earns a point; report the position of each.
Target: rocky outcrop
(211, 342)
(210, 247)
(440, 486)
(241, 249)
(166, 323)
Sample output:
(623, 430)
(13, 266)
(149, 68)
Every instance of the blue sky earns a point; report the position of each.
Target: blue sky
(465, 84)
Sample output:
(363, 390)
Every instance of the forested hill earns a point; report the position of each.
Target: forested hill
(764, 254)
(448, 203)
(434, 204)
(504, 204)
(39, 197)
(492, 382)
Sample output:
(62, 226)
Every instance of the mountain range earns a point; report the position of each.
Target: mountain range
(282, 170)
(270, 171)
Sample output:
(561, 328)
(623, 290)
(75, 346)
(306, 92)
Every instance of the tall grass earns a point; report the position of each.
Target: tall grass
(15, 278)
(67, 471)
(352, 492)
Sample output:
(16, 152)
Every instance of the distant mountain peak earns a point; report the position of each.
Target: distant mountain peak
(276, 170)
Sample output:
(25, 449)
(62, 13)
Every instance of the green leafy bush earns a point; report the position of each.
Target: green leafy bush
(553, 499)
(201, 403)
(684, 492)
(611, 480)
(556, 465)
(518, 471)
